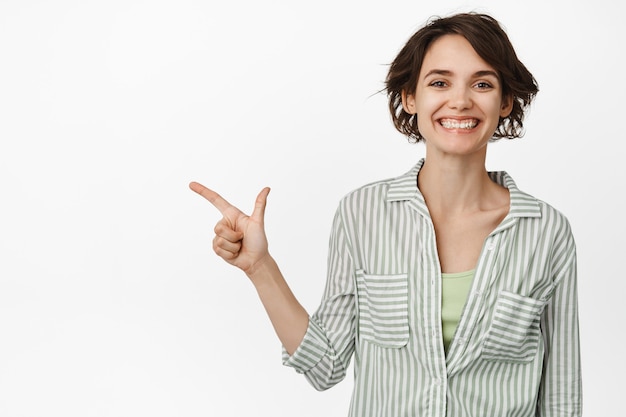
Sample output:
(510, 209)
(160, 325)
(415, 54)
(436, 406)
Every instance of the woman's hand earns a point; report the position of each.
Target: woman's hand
(239, 239)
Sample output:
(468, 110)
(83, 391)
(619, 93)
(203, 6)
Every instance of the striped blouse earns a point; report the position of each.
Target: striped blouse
(515, 352)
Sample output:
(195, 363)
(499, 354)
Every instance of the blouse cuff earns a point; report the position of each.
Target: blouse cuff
(312, 349)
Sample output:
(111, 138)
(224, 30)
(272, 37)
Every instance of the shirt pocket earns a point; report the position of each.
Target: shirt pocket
(514, 333)
(383, 302)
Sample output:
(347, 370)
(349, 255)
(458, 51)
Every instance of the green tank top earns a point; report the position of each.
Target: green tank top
(455, 288)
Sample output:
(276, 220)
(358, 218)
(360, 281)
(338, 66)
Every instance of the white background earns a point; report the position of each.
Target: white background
(111, 300)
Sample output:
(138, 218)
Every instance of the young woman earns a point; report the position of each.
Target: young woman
(454, 291)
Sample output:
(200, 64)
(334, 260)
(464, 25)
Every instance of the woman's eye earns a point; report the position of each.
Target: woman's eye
(483, 85)
(438, 84)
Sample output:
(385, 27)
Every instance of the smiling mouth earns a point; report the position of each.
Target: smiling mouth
(458, 124)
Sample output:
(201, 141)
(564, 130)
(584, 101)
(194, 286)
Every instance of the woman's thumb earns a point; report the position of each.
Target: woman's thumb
(258, 213)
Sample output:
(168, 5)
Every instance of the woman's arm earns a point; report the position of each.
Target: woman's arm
(561, 385)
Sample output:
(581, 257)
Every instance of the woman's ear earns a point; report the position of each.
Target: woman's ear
(408, 102)
(507, 106)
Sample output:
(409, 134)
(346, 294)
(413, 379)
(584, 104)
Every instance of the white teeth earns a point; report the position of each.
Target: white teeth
(459, 124)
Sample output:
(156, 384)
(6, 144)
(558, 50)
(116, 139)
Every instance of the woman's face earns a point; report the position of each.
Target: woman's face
(458, 99)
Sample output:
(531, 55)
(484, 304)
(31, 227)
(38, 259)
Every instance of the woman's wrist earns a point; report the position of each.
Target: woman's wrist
(262, 270)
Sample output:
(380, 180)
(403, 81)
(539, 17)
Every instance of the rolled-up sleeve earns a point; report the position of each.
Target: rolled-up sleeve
(327, 347)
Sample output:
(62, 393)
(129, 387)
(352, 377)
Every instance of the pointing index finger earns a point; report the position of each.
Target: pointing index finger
(214, 198)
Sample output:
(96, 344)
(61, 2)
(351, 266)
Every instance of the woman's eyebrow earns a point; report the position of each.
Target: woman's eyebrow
(486, 73)
(438, 72)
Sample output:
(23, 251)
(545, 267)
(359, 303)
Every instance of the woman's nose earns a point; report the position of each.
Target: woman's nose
(460, 98)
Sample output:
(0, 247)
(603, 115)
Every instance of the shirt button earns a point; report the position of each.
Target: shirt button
(462, 340)
(437, 381)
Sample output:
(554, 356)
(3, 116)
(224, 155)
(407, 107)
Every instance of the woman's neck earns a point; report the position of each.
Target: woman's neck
(457, 185)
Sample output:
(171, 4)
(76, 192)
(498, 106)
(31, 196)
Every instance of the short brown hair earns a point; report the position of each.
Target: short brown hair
(490, 42)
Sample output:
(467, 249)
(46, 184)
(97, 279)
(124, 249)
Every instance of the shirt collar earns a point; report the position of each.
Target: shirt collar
(404, 188)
